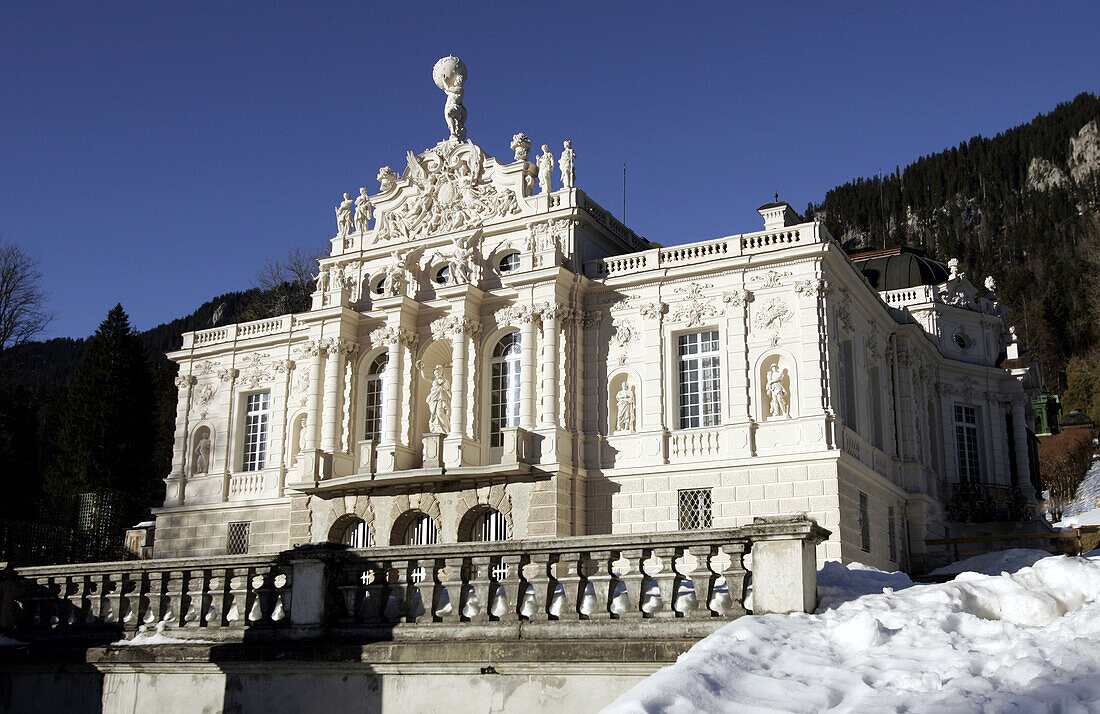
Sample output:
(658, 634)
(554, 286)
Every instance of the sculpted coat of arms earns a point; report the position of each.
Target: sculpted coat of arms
(449, 195)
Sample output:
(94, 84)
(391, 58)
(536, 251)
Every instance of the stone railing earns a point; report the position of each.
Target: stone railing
(694, 253)
(694, 444)
(313, 591)
(232, 333)
(189, 596)
(910, 296)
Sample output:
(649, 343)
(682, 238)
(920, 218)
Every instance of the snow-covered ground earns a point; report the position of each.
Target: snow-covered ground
(1013, 632)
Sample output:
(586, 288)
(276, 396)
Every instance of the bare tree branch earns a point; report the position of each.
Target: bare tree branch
(22, 300)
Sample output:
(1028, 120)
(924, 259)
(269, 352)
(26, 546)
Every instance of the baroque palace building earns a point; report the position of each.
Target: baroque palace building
(491, 355)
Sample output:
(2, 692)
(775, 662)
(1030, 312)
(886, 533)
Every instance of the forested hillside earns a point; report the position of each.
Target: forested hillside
(1021, 206)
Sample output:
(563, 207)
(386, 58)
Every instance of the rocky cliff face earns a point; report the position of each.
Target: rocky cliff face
(1083, 163)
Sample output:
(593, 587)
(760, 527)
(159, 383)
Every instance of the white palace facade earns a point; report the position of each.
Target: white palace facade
(490, 354)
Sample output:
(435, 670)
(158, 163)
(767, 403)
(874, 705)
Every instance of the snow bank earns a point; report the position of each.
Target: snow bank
(1001, 561)
(1028, 641)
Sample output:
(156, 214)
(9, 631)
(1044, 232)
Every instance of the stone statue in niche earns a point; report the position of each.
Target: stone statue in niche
(461, 260)
(302, 434)
(624, 402)
(777, 393)
(322, 280)
(546, 170)
(449, 74)
(362, 211)
(438, 400)
(568, 173)
(521, 145)
(344, 221)
(202, 454)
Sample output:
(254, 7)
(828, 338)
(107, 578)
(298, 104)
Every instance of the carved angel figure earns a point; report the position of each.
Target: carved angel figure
(777, 392)
(624, 401)
(362, 211)
(521, 145)
(568, 173)
(344, 220)
(461, 260)
(546, 170)
(395, 275)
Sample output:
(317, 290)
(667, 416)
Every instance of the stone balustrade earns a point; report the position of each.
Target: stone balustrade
(694, 253)
(319, 590)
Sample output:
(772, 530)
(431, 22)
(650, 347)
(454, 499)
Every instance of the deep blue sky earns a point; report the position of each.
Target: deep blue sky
(155, 154)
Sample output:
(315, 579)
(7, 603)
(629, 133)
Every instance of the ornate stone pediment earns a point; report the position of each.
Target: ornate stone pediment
(451, 187)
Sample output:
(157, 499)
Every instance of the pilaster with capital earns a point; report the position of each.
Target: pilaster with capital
(551, 315)
(527, 317)
(314, 351)
(1019, 442)
(395, 339)
(184, 383)
(280, 403)
(336, 349)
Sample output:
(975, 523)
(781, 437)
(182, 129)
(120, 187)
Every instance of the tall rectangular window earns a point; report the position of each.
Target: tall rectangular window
(695, 508)
(891, 525)
(848, 366)
(504, 387)
(966, 443)
(256, 415)
(864, 523)
(875, 395)
(700, 380)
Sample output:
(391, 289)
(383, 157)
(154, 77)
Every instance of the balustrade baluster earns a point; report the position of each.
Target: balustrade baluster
(569, 577)
(668, 580)
(476, 589)
(448, 580)
(601, 580)
(373, 607)
(633, 581)
(735, 575)
(542, 587)
(508, 589)
(703, 578)
(192, 609)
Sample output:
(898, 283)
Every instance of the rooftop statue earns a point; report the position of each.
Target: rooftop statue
(449, 74)
(546, 170)
(344, 220)
(362, 211)
(568, 173)
(521, 145)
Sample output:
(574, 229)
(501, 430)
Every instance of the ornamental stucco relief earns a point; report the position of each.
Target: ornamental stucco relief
(695, 306)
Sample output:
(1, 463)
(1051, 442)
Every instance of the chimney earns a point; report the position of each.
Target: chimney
(778, 215)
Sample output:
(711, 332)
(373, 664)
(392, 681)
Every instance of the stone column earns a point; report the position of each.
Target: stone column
(314, 350)
(336, 348)
(280, 401)
(551, 318)
(393, 338)
(463, 329)
(527, 368)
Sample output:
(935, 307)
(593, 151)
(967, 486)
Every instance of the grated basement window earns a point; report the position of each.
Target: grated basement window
(695, 510)
(237, 538)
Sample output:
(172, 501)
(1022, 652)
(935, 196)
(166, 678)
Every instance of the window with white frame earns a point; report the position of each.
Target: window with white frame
(256, 417)
(695, 508)
(374, 398)
(700, 379)
(966, 443)
(504, 387)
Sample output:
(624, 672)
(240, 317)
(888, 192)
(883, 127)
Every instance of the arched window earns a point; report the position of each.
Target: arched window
(489, 525)
(443, 275)
(352, 531)
(372, 428)
(421, 530)
(509, 262)
(504, 388)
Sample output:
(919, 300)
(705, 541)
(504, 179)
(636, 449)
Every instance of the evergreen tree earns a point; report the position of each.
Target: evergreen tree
(106, 436)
